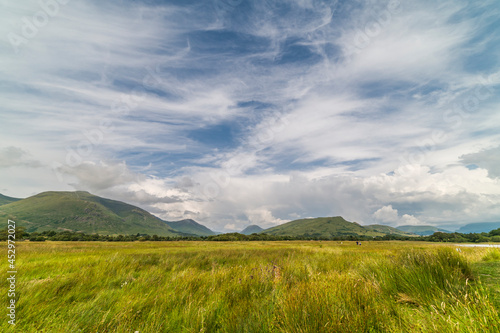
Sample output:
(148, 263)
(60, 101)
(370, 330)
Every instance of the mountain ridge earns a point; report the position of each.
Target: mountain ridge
(330, 227)
(85, 212)
(251, 229)
(478, 227)
(422, 230)
(189, 226)
(81, 211)
(6, 200)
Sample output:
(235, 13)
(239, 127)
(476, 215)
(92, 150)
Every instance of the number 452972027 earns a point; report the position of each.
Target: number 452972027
(11, 229)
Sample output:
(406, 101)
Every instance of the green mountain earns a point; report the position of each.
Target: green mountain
(329, 227)
(190, 227)
(6, 200)
(82, 211)
(251, 229)
(422, 230)
(385, 229)
(479, 227)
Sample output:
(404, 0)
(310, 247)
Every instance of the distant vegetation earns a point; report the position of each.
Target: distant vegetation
(492, 236)
(292, 287)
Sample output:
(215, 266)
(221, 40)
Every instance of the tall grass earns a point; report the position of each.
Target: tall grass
(249, 287)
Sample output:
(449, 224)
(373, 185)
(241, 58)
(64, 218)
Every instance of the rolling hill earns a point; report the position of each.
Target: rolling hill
(190, 227)
(82, 211)
(330, 227)
(385, 229)
(6, 200)
(422, 230)
(251, 229)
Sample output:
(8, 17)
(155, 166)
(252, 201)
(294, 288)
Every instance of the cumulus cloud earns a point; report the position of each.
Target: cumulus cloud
(409, 220)
(389, 215)
(386, 214)
(410, 195)
(262, 217)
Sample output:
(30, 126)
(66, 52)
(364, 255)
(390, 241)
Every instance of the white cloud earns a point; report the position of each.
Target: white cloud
(231, 227)
(386, 214)
(263, 217)
(389, 215)
(409, 220)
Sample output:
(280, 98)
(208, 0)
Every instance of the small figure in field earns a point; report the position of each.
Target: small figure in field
(357, 243)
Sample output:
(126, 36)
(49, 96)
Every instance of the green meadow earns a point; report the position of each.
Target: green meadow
(296, 286)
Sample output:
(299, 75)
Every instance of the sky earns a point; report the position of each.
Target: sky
(239, 112)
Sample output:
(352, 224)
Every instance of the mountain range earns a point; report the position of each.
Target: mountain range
(331, 227)
(422, 230)
(83, 212)
(479, 227)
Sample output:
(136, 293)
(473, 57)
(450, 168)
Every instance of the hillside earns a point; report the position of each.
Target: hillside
(6, 200)
(479, 227)
(251, 229)
(422, 230)
(385, 229)
(190, 227)
(82, 211)
(326, 227)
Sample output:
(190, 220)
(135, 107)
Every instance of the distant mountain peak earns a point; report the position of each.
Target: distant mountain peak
(85, 212)
(330, 227)
(189, 226)
(251, 229)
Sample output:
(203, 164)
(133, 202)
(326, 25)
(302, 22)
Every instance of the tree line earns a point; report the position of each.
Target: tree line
(21, 234)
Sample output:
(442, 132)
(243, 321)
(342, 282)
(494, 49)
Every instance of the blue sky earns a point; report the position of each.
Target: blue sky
(238, 112)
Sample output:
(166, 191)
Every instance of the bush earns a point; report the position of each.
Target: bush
(37, 239)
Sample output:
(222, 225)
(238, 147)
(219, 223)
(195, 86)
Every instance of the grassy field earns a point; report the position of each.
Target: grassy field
(254, 287)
